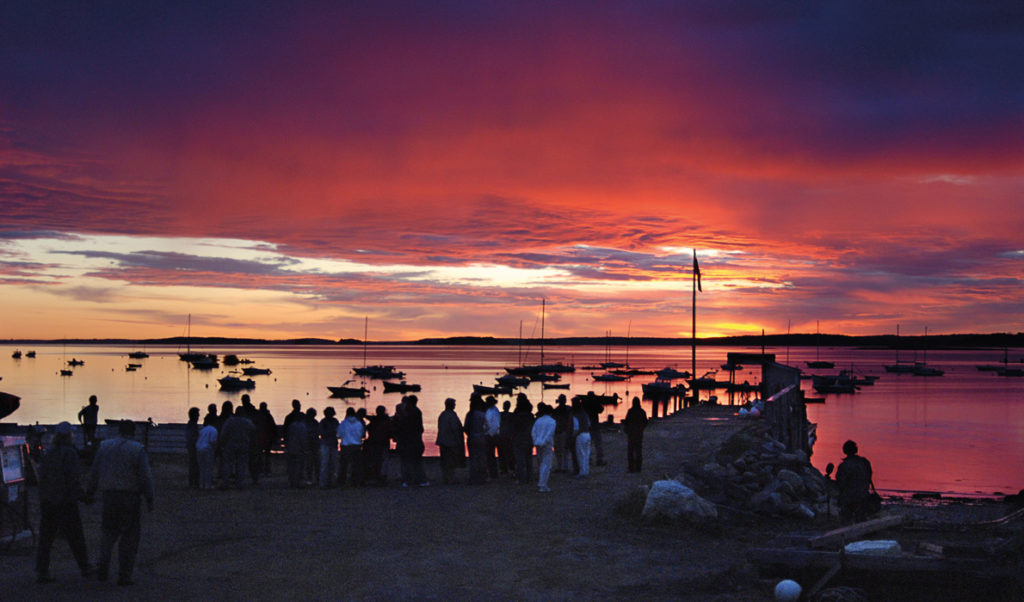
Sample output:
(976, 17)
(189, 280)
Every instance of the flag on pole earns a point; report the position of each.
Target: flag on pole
(696, 270)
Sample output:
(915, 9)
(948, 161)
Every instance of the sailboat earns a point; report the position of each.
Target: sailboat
(818, 362)
(898, 367)
(922, 368)
(188, 356)
(379, 372)
(541, 368)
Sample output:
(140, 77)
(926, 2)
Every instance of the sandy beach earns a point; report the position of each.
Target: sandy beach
(496, 541)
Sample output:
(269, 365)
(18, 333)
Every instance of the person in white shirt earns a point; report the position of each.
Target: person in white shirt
(206, 446)
(581, 423)
(350, 432)
(493, 417)
(543, 439)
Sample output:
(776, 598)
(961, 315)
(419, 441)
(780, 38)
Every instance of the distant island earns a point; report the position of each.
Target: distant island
(935, 341)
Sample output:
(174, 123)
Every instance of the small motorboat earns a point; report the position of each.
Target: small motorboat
(76, 362)
(17, 354)
(344, 391)
(402, 387)
(670, 373)
(511, 380)
(233, 383)
(608, 377)
(138, 355)
(554, 385)
(379, 372)
(249, 371)
(205, 362)
(30, 354)
(602, 399)
(486, 390)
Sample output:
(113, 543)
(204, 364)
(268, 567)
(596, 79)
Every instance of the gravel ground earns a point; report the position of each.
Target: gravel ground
(496, 541)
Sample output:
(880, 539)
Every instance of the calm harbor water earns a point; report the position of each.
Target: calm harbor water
(960, 433)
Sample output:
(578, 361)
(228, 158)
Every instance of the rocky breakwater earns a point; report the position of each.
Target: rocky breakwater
(752, 472)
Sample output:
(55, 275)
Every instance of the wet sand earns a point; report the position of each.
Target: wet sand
(495, 541)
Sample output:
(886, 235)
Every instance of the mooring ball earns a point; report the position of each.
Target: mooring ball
(788, 590)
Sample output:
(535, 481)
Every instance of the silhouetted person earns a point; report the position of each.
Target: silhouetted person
(121, 472)
(493, 416)
(563, 429)
(409, 441)
(266, 436)
(522, 441)
(376, 445)
(593, 407)
(295, 446)
(543, 434)
(206, 450)
(88, 417)
(854, 480)
(506, 456)
(634, 424)
(312, 464)
(211, 416)
(476, 440)
(328, 448)
(236, 440)
(191, 437)
(60, 490)
(582, 440)
(350, 434)
(450, 442)
(249, 411)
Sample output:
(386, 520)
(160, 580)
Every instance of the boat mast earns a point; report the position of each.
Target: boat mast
(520, 362)
(629, 328)
(542, 307)
(366, 325)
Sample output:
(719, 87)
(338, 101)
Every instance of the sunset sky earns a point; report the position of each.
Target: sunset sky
(286, 169)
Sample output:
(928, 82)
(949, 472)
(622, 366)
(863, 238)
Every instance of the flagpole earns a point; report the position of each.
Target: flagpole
(693, 334)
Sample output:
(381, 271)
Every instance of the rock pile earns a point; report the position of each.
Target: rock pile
(755, 473)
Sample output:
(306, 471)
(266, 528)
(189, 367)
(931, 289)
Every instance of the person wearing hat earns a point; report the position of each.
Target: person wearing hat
(121, 471)
(60, 490)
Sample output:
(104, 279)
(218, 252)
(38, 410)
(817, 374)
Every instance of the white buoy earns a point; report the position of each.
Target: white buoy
(788, 590)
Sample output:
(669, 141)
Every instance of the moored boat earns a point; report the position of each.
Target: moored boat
(608, 377)
(671, 373)
(233, 383)
(205, 362)
(379, 372)
(402, 387)
(592, 397)
(488, 390)
(344, 391)
(249, 371)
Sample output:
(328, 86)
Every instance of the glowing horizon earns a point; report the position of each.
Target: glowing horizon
(286, 173)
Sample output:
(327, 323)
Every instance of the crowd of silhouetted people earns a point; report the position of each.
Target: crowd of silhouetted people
(234, 446)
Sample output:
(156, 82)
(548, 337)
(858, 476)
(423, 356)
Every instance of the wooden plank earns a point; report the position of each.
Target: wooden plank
(802, 560)
(855, 531)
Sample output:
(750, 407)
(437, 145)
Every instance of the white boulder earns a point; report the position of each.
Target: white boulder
(672, 500)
